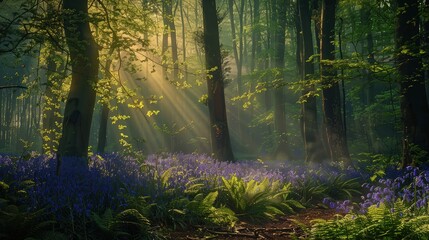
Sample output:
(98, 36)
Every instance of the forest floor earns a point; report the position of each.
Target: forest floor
(285, 227)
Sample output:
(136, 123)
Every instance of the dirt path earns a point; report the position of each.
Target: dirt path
(286, 227)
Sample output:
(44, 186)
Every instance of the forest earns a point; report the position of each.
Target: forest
(214, 119)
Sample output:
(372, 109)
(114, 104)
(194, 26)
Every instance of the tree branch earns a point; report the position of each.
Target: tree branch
(12, 86)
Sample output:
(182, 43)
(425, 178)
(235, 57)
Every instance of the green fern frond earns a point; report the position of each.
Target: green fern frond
(103, 222)
(165, 176)
(209, 200)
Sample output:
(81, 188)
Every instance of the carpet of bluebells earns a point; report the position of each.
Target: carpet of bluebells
(112, 180)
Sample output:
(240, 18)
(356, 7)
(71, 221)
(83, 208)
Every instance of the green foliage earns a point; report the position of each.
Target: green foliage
(184, 211)
(418, 155)
(339, 187)
(128, 224)
(256, 201)
(308, 191)
(375, 164)
(177, 210)
(16, 223)
(312, 188)
(380, 222)
(202, 210)
(4, 188)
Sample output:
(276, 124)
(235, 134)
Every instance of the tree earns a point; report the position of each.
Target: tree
(56, 71)
(279, 14)
(220, 140)
(331, 102)
(425, 43)
(81, 99)
(238, 54)
(313, 145)
(414, 110)
(104, 112)
(169, 29)
(51, 100)
(369, 91)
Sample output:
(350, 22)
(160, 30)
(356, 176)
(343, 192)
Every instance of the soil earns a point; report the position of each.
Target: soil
(285, 227)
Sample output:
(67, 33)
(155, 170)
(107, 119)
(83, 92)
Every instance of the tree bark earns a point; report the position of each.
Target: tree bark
(165, 30)
(220, 140)
(255, 62)
(282, 151)
(81, 99)
(185, 64)
(414, 111)
(331, 102)
(313, 144)
(173, 37)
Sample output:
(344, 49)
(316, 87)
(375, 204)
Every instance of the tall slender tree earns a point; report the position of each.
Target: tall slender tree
(279, 16)
(81, 99)
(237, 47)
(331, 102)
(105, 110)
(369, 91)
(51, 101)
(220, 140)
(414, 110)
(313, 144)
(425, 44)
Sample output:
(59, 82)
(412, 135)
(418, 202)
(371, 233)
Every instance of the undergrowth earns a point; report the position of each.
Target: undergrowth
(118, 197)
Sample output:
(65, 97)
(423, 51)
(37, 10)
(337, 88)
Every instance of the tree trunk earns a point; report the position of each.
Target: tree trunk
(51, 106)
(425, 45)
(185, 64)
(102, 130)
(2, 140)
(165, 30)
(331, 102)
(238, 57)
(81, 99)
(220, 140)
(255, 62)
(282, 151)
(313, 144)
(414, 111)
(104, 116)
(173, 37)
(369, 92)
(315, 7)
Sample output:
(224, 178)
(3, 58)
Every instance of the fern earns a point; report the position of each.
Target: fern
(104, 222)
(380, 222)
(256, 201)
(202, 210)
(16, 223)
(338, 187)
(130, 224)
